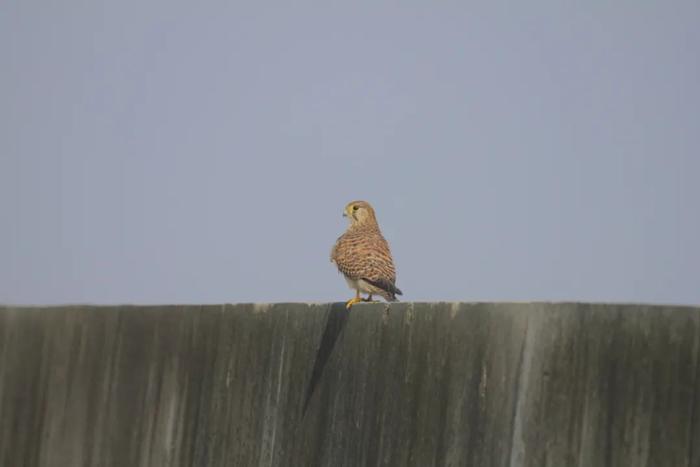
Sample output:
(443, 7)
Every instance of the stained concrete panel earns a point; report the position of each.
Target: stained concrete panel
(424, 384)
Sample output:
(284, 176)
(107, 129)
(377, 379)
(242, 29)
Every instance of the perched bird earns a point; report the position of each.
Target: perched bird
(362, 255)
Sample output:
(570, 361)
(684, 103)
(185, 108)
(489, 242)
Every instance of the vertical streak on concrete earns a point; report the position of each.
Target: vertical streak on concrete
(277, 400)
(6, 325)
(694, 432)
(272, 419)
(517, 445)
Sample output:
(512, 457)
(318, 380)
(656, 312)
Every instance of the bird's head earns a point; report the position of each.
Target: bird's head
(359, 212)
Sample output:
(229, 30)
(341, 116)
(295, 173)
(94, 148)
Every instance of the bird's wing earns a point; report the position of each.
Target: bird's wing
(367, 257)
(333, 251)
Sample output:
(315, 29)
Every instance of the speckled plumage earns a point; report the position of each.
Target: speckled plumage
(363, 256)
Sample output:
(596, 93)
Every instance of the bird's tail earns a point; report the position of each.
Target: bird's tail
(391, 291)
(396, 291)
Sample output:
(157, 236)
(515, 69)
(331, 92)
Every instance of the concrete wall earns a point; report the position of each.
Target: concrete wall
(413, 384)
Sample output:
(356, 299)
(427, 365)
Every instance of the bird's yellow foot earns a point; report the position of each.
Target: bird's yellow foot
(352, 301)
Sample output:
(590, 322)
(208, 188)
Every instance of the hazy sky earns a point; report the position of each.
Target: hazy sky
(202, 152)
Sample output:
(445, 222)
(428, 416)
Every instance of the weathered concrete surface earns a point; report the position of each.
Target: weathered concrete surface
(413, 384)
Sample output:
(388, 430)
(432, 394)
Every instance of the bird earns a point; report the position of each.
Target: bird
(362, 255)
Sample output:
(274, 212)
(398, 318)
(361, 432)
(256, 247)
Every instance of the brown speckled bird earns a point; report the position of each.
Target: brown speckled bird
(362, 255)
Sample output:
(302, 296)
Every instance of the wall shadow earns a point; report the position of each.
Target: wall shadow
(337, 317)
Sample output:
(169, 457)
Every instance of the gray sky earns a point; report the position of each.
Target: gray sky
(202, 152)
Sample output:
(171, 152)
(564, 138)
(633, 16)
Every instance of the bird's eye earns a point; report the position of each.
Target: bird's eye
(355, 208)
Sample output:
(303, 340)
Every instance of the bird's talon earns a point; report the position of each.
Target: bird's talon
(351, 302)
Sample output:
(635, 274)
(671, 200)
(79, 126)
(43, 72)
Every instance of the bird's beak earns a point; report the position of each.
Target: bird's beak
(345, 214)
